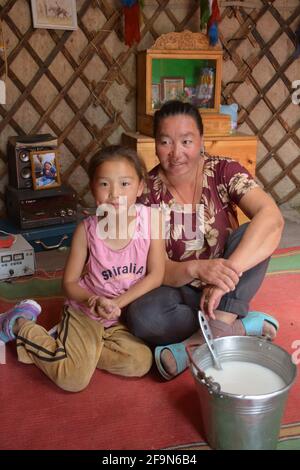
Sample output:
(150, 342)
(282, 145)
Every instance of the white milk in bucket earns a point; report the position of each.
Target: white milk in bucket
(241, 406)
(245, 378)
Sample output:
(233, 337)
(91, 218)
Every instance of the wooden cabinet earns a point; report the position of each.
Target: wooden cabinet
(238, 146)
(143, 145)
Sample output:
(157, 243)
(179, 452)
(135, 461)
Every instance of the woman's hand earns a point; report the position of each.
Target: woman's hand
(103, 307)
(218, 272)
(210, 300)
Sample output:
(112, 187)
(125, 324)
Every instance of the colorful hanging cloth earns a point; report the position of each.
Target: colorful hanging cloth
(212, 25)
(131, 9)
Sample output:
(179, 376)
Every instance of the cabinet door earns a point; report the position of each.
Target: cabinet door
(147, 152)
(242, 150)
(144, 146)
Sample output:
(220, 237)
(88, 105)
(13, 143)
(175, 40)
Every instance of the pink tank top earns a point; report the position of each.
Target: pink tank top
(110, 272)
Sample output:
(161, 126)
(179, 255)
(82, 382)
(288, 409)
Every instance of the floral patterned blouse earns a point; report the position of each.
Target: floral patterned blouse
(201, 234)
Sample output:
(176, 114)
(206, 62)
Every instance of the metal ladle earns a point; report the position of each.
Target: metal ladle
(206, 331)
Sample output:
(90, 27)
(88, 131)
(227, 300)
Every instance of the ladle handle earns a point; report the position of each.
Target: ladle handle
(206, 331)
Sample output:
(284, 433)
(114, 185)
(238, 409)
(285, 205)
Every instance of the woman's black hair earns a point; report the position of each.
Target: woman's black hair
(175, 108)
(117, 152)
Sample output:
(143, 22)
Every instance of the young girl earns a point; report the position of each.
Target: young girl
(104, 273)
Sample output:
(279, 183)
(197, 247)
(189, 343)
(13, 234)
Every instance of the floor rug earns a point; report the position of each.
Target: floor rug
(118, 413)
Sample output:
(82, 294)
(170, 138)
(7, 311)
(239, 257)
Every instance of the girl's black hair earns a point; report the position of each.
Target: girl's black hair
(117, 152)
(175, 108)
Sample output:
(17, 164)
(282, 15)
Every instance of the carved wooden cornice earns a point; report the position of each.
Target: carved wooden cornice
(186, 40)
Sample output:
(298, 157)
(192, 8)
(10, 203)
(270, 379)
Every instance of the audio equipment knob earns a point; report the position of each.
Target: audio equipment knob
(70, 211)
(63, 213)
(11, 272)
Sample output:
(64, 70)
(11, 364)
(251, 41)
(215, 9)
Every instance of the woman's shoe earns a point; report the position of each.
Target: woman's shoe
(179, 354)
(254, 323)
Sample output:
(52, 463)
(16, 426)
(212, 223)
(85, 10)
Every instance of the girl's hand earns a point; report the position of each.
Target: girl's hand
(92, 301)
(109, 309)
(210, 300)
(103, 307)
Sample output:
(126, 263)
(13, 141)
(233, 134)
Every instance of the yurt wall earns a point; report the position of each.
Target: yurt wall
(81, 85)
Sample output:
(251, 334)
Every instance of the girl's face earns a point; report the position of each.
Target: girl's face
(178, 144)
(116, 182)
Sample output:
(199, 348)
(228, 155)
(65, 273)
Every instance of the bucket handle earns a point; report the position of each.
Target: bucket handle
(214, 387)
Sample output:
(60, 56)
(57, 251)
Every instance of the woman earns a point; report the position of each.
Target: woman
(211, 262)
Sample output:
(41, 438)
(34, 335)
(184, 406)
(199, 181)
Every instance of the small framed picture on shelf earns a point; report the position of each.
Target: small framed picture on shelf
(51, 14)
(172, 88)
(156, 92)
(44, 169)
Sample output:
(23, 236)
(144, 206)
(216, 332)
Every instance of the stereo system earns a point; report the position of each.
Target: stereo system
(18, 154)
(30, 209)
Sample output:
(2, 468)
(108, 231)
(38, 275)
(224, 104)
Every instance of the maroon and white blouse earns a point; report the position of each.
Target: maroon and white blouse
(225, 182)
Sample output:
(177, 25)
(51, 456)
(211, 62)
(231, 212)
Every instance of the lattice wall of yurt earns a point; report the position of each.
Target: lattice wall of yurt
(80, 85)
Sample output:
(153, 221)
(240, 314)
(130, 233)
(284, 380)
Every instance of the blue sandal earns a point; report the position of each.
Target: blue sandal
(254, 323)
(180, 356)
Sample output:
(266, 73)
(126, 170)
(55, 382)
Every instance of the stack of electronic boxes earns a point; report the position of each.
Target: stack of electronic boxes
(39, 207)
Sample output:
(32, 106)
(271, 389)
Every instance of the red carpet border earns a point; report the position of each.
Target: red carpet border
(118, 413)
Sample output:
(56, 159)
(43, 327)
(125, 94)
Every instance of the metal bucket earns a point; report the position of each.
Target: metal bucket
(241, 421)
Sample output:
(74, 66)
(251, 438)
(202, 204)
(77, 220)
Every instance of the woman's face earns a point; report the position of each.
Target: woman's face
(178, 144)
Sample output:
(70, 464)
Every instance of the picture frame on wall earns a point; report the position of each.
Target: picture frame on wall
(44, 169)
(53, 14)
(172, 88)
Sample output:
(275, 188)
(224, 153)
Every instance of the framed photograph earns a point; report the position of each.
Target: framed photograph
(156, 92)
(44, 169)
(172, 88)
(51, 14)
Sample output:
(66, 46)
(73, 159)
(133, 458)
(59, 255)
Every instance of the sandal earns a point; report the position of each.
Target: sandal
(179, 354)
(28, 309)
(254, 323)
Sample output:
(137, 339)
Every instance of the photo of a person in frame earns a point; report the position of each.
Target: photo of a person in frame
(45, 171)
(49, 171)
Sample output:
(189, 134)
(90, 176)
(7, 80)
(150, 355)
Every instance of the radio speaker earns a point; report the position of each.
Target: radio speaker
(18, 153)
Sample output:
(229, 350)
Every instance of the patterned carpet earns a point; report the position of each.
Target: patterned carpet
(132, 410)
(280, 295)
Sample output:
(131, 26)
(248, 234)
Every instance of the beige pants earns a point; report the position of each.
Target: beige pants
(82, 346)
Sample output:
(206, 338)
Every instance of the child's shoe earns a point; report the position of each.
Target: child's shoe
(28, 309)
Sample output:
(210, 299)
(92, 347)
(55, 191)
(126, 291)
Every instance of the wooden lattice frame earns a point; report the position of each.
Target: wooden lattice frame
(98, 96)
(248, 20)
(96, 45)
